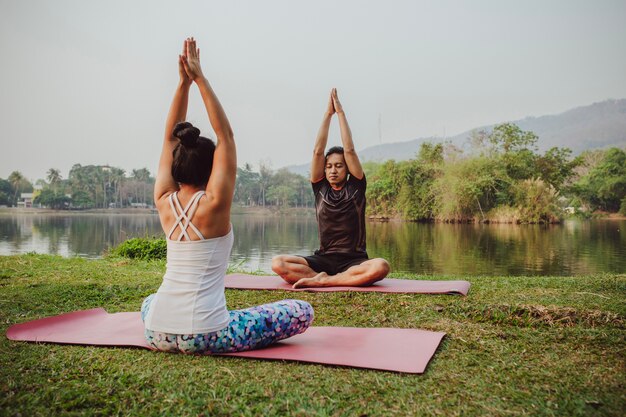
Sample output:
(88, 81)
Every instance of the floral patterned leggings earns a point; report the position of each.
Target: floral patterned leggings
(251, 328)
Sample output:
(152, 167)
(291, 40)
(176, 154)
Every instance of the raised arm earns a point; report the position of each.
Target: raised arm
(318, 160)
(349, 153)
(221, 184)
(165, 184)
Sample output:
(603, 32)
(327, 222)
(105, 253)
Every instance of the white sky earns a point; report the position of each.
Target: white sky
(90, 82)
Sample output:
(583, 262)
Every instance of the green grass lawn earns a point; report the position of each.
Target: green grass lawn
(514, 346)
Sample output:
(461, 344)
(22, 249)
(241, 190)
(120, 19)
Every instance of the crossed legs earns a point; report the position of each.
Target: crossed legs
(250, 328)
(296, 271)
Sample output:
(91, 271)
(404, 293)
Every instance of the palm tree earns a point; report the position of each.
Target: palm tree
(118, 176)
(54, 178)
(141, 176)
(16, 179)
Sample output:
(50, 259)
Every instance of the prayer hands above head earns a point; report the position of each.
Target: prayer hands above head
(191, 60)
(331, 107)
(336, 102)
(184, 77)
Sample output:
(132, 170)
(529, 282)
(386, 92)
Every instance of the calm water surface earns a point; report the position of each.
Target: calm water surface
(572, 248)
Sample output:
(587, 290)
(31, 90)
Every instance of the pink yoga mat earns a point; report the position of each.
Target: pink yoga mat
(389, 285)
(400, 350)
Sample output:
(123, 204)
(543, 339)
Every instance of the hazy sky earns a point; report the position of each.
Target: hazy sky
(90, 82)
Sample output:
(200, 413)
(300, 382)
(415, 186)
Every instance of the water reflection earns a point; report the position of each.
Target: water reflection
(573, 248)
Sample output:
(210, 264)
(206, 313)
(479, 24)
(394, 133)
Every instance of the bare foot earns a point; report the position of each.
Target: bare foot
(317, 281)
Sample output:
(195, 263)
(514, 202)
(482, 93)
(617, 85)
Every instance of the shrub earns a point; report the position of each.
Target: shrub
(537, 202)
(142, 248)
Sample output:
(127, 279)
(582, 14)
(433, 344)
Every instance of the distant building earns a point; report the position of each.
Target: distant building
(26, 200)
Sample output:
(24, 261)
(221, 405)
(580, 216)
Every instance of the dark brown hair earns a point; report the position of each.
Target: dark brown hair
(193, 156)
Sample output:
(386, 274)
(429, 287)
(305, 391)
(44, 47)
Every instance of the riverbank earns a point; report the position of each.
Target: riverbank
(285, 211)
(244, 210)
(515, 345)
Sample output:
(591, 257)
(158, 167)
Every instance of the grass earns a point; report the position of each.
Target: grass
(515, 346)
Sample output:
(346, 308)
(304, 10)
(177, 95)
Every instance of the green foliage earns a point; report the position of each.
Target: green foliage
(506, 171)
(371, 168)
(604, 186)
(19, 184)
(142, 248)
(556, 166)
(105, 186)
(537, 201)
(266, 187)
(82, 200)
(405, 188)
(52, 199)
(508, 137)
(622, 208)
(468, 187)
(5, 192)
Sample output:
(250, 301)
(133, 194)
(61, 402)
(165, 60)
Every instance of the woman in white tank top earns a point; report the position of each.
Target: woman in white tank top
(193, 195)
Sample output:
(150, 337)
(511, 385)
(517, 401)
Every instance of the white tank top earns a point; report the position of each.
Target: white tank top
(191, 298)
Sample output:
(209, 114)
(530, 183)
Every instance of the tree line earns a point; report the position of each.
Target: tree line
(502, 178)
(87, 187)
(98, 186)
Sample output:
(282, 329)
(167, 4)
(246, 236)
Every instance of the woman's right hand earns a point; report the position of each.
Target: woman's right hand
(191, 60)
(184, 77)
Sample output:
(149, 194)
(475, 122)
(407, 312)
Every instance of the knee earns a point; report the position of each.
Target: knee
(278, 265)
(145, 306)
(382, 268)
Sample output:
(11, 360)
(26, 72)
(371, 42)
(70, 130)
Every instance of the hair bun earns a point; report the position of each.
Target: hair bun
(187, 134)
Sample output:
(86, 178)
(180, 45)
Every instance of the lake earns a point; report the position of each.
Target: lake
(575, 247)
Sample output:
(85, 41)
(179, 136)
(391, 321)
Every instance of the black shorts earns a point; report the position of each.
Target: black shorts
(334, 263)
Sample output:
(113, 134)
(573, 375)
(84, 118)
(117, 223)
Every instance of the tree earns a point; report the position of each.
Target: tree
(604, 186)
(247, 186)
(265, 177)
(508, 137)
(556, 166)
(54, 177)
(5, 192)
(82, 200)
(537, 201)
(117, 177)
(49, 198)
(16, 179)
(281, 194)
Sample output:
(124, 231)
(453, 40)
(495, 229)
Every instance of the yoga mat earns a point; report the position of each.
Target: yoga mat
(400, 350)
(389, 285)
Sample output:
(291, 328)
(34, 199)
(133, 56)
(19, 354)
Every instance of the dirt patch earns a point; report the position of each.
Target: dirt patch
(537, 315)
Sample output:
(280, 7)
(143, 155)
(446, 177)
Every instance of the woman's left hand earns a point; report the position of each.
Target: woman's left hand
(184, 77)
(191, 60)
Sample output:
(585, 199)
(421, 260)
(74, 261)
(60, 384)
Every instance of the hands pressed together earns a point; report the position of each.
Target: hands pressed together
(189, 67)
(334, 105)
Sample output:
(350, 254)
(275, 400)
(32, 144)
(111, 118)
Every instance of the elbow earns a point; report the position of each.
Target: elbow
(226, 135)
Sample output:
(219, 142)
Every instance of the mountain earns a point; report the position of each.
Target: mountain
(599, 125)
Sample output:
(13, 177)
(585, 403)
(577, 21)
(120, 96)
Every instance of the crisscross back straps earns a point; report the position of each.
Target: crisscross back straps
(183, 217)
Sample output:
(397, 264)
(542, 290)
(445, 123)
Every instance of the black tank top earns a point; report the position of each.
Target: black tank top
(341, 216)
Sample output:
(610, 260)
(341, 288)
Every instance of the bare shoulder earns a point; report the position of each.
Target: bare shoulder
(212, 216)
